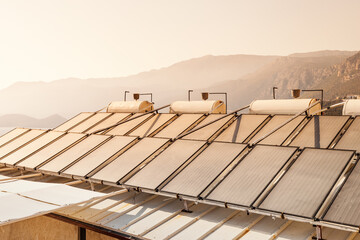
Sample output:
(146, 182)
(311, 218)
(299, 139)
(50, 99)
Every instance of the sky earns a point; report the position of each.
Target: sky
(46, 40)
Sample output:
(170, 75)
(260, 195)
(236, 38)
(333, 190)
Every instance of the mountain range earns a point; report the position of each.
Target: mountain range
(243, 77)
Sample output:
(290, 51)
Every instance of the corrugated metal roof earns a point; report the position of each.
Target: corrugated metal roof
(194, 178)
(72, 154)
(241, 128)
(32, 147)
(153, 124)
(73, 121)
(351, 138)
(99, 156)
(244, 184)
(123, 164)
(165, 164)
(304, 187)
(328, 127)
(90, 122)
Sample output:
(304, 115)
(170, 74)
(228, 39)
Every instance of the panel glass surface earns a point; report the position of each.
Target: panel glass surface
(11, 135)
(195, 177)
(113, 119)
(251, 176)
(100, 155)
(351, 138)
(304, 187)
(73, 121)
(72, 154)
(179, 125)
(278, 137)
(154, 173)
(206, 132)
(90, 122)
(20, 141)
(345, 209)
(150, 126)
(123, 164)
(51, 150)
(124, 128)
(241, 128)
(31, 147)
(329, 127)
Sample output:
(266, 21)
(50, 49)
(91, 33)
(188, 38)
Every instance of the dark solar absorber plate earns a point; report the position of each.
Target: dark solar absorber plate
(32, 147)
(72, 154)
(100, 155)
(160, 168)
(278, 137)
(206, 132)
(178, 126)
(130, 159)
(306, 184)
(241, 128)
(20, 141)
(51, 150)
(328, 126)
(73, 121)
(195, 177)
(252, 175)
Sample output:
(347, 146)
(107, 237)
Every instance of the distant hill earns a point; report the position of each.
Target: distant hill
(20, 120)
(243, 77)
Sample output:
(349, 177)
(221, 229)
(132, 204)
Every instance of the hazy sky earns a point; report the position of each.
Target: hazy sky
(44, 40)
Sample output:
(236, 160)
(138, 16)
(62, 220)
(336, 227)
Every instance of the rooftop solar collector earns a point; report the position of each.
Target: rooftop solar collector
(160, 168)
(126, 127)
(351, 138)
(304, 187)
(251, 176)
(73, 121)
(90, 122)
(12, 135)
(49, 151)
(241, 128)
(110, 121)
(31, 147)
(150, 126)
(196, 176)
(123, 164)
(100, 155)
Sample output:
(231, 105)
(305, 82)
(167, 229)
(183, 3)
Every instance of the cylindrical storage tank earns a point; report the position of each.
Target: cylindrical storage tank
(283, 106)
(351, 107)
(203, 107)
(130, 107)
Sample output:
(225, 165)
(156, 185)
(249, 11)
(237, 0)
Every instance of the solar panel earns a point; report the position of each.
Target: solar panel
(346, 206)
(159, 169)
(278, 137)
(153, 124)
(7, 137)
(206, 132)
(123, 164)
(73, 121)
(100, 155)
(195, 177)
(243, 184)
(20, 141)
(72, 154)
(306, 184)
(327, 127)
(351, 138)
(241, 128)
(90, 122)
(113, 119)
(51, 150)
(182, 123)
(124, 128)
(32, 147)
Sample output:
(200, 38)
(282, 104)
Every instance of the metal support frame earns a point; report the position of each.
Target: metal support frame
(316, 90)
(125, 95)
(147, 94)
(189, 94)
(221, 93)
(273, 91)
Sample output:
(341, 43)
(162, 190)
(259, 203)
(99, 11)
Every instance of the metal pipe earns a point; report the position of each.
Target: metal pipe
(125, 95)
(316, 90)
(273, 89)
(198, 128)
(283, 124)
(189, 94)
(327, 108)
(117, 124)
(149, 94)
(222, 93)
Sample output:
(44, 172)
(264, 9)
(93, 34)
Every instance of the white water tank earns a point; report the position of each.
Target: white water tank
(283, 106)
(351, 107)
(130, 107)
(202, 107)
